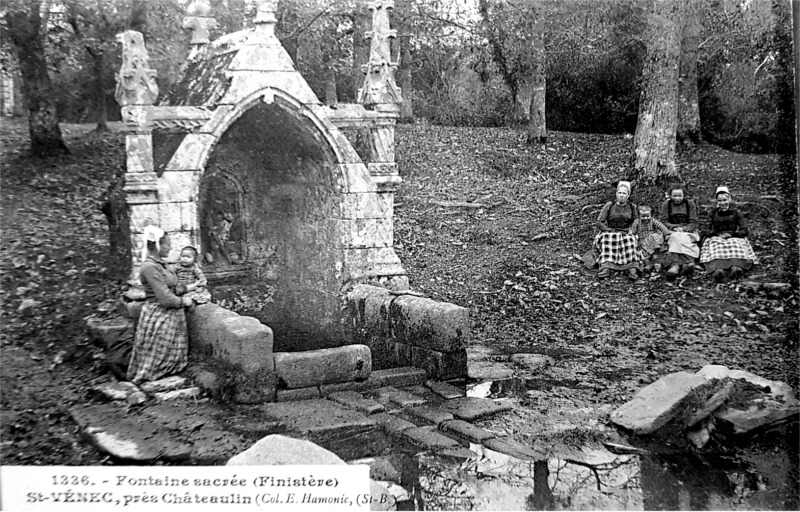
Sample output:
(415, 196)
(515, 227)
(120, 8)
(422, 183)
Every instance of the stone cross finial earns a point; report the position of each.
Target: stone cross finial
(199, 20)
(266, 12)
(136, 82)
(379, 85)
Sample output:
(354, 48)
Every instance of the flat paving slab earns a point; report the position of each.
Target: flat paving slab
(429, 438)
(466, 431)
(316, 416)
(398, 397)
(391, 423)
(355, 401)
(445, 390)
(127, 436)
(427, 415)
(514, 448)
(472, 408)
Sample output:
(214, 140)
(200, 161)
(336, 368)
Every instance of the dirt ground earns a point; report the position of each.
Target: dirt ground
(481, 220)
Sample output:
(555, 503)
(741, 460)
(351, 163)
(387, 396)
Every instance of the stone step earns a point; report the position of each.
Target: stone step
(429, 438)
(398, 397)
(400, 377)
(466, 431)
(391, 424)
(355, 401)
(445, 390)
(426, 415)
(472, 408)
(319, 416)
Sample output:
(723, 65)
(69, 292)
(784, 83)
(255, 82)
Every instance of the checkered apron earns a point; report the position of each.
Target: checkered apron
(617, 248)
(716, 248)
(161, 344)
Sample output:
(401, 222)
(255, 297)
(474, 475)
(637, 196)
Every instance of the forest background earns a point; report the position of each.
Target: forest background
(461, 63)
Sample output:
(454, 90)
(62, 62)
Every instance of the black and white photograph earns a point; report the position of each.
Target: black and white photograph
(328, 255)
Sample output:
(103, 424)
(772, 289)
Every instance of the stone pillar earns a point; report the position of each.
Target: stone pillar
(136, 92)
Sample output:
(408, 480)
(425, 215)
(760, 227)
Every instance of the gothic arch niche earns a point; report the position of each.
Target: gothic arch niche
(223, 225)
(282, 173)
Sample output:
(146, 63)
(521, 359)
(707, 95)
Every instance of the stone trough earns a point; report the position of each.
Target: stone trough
(241, 160)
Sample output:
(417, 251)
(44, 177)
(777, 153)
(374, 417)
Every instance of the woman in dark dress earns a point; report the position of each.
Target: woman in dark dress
(615, 248)
(726, 246)
(161, 342)
(679, 215)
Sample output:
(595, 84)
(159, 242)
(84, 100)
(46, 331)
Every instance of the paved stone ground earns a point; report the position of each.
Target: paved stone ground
(423, 416)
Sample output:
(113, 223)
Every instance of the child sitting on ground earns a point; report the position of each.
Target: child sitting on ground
(651, 235)
(189, 274)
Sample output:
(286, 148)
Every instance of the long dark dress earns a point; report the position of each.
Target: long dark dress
(161, 342)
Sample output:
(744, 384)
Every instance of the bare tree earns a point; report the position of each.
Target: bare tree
(654, 141)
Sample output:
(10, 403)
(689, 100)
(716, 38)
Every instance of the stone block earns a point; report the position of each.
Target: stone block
(445, 390)
(142, 215)
(139, 151)
(391, 424)
(116, 390)
(367, 205)
(238, 340)
(278, 450)
(440, 365)
(401, 377)
(430, 324)
(466, 431)
(366, 233)
(473, 408)
(427, 415)
(166, 384)
(178, 216)
(365, 385)
(398, 397)
(514, 448)
(662, 401)
(192, 392)
(354, 178)
(178, 186)
(191, 155)
(354, 400)
(429, 438)
(371, 262)
(324, 366)
(288, 395)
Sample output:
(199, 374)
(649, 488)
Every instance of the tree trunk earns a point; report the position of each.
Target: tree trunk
(101, 112)
(537, 122)
(406, 84)
(45, 132)
(688, 105)
(654, 141)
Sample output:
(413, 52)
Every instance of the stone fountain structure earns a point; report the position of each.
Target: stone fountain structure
(241, 160)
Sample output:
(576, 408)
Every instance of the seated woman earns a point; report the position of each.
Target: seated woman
(616, 248)
(680, 217)
(161, 341)
(726, 246)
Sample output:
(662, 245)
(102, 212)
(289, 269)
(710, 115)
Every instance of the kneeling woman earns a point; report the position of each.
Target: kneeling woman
(617, 249)
(680, 217)
(725, 246)
(161, 342)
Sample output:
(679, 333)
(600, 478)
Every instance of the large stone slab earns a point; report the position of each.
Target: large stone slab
(776, 405)
(130, 437)
(662, 401)
(427, 415)
(278, 450)
(467, 431)
(398, 397)
(355, 401)
(317, 416)
(430, 324)
(400, 377)
(429, 438)
(445, 390)
(324, 366)
(236, 339)
(472, 408)
(514, 448)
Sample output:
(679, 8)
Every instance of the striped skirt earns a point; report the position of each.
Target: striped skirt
(160, 345)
